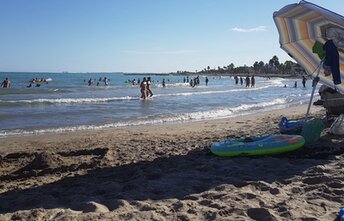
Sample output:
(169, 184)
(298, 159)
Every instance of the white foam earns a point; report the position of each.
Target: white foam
(71, 100)
(211, 92)
(183, 117)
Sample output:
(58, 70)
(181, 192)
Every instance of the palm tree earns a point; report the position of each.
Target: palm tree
(274, 63)
(256, 67)
(288, 65)
(230, 67)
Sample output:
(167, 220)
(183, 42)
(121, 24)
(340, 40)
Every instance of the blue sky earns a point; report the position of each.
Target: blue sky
(139, 35)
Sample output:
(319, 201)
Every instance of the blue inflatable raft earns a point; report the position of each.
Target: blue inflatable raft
(264, 145)
(290, 126)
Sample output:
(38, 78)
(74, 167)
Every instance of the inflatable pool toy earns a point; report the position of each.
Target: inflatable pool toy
(290, 126)
(264, 145)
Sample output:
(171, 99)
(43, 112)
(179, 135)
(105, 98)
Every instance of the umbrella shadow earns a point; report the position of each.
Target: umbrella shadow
(178, 177)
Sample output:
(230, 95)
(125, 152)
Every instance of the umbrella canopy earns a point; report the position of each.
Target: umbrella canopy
(307, 32)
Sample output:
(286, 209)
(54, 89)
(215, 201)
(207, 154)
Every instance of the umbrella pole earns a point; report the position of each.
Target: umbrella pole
(314, 86)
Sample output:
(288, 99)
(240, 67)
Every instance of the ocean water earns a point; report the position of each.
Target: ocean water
(67, 103)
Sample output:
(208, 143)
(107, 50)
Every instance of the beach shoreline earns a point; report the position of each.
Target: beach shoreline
(167, 172)
(293, 112)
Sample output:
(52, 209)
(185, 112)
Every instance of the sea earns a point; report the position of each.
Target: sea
(67, 103)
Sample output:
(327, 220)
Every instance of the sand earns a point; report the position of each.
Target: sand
(167, 172)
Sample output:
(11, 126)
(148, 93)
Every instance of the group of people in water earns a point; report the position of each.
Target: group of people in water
(145, 84)
(37, 82)
(145, 88)
(104, 80)
(195, 81)
(139, 82)
(303, 83)
(249, 81)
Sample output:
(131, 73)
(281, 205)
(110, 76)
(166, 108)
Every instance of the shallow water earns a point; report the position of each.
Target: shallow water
(67, 103)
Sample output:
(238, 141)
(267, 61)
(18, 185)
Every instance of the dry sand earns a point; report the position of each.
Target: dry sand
(168, 173)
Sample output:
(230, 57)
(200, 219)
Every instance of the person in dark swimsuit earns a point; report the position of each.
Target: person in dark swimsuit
(6, 83)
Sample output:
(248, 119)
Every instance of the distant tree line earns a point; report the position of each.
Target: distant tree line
(271, 68)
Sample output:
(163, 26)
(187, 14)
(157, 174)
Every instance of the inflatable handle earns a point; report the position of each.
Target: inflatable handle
(248, 140)
(283, 122)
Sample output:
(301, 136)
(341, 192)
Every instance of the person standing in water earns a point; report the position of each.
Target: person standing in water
(6, 83)
(236, 80)
(149, 92)
(247, 80)
(90, 82)
(143, 87)
(304, 81)
(253, 81)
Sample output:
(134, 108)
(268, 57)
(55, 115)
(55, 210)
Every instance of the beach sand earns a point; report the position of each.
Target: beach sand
(167, 172)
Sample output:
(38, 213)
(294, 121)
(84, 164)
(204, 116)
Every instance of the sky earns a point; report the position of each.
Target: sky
(142, 36)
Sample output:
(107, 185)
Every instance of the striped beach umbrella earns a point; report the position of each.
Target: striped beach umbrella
(304, 28)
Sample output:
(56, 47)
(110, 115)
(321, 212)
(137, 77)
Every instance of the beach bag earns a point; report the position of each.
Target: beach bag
(311, 131)
(337, 126)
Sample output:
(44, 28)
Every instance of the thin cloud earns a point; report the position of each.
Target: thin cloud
(160, 52)
(256, 29)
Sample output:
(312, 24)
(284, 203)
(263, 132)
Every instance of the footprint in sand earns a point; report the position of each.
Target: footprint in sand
(315, 180)
(95, 207)
(260, 214)
(211, 204)
(247, 196)
(335, 184)
(226, 212)
(230, 211)
(274, 191)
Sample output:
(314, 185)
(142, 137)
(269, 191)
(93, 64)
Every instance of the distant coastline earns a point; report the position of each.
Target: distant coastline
(273, 68)
(297, 75)
(281, 75)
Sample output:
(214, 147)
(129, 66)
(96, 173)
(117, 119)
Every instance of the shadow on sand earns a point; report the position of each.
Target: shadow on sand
(177, 177)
